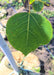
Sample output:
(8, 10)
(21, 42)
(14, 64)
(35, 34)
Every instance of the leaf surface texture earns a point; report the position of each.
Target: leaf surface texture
(28, 31)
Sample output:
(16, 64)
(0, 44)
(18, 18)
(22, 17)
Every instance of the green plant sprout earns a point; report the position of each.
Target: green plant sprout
(36, 69)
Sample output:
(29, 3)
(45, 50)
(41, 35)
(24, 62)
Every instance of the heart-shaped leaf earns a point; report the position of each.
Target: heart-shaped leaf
(38, 6)
(27, 31)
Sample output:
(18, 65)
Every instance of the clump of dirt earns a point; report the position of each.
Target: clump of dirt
(45, 61)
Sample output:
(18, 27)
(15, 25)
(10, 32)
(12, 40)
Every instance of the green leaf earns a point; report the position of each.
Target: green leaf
(36, 69)
(31, 1)
(38, 6)
(27, 31)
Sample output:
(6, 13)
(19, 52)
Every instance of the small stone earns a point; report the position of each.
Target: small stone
(1, 15)
(5, 68)
(31, 61)
(10, 11)
(4, 22)
(3, 11)
(52, 62)
(3, 30)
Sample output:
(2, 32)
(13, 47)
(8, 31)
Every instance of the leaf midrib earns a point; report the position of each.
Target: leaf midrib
(28, 29)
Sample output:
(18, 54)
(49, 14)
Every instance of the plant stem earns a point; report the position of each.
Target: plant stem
(29, 5)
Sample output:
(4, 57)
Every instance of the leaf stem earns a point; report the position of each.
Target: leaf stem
(29, 5)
